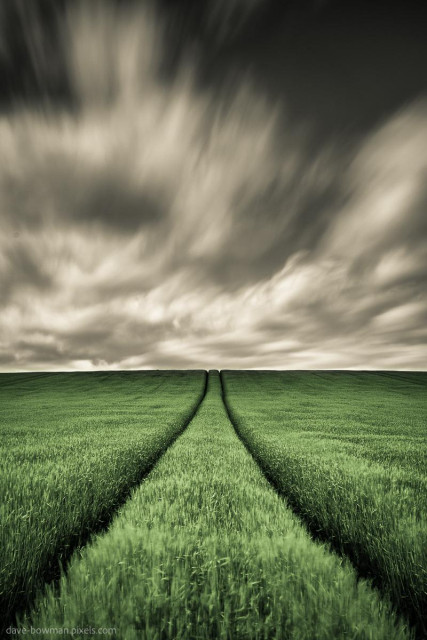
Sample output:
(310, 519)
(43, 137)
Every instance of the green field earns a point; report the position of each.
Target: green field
(72, 447)
(261, 527)
(348, 451)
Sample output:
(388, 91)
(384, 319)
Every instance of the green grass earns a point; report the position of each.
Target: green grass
(205, 548)
(348, 450)
(73, 445)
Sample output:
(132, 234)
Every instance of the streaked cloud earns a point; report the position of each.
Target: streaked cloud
(160, 225)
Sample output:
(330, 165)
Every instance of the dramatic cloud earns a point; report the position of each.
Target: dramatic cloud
(159, 225)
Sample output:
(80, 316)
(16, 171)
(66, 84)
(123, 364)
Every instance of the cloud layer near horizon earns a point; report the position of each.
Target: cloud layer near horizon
(164, 227)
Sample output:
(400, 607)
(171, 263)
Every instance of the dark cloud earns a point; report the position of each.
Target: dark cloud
(170, 223)
(80, 193)
(33, 37)
(42, 353)
(106, 195)
(7, 358)
(22, 271)
(277, 222)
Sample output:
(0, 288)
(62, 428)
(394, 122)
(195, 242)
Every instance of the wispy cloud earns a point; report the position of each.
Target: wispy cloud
(163, 226)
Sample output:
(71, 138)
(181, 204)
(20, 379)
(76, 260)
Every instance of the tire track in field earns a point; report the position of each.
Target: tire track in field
(6, 379)
(103, 526)
(54, 570)
(402, 377)
(317, 534)
(395, 376)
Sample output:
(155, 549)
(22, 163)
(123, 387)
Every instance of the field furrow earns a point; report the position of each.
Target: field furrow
(348, 451)
(205, 548)
(73, 446)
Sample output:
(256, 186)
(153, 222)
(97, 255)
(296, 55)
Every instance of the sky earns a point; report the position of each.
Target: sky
(229, 184)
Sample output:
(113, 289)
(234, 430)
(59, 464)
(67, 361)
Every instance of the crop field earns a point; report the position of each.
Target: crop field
(72, 447)
(286, 505)
(348, 451)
